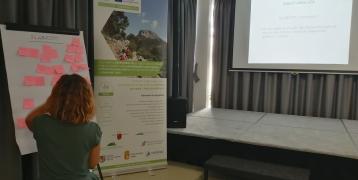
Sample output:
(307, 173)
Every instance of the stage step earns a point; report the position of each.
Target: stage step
(253, 170)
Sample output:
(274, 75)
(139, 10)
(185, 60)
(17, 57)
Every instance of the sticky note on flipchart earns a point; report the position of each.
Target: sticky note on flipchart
(74, 49)
(75, 68)
(34, 81)
(28, 103)
(58, 69)
(42, 69)
(28, 52)
(79, 67)
(48, 53)
(76, 41)
(69, 58)
(78, 57)
(49, 50)
(21, 123)
(71, 49)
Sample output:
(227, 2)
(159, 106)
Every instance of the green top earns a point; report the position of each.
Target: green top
(64, 148)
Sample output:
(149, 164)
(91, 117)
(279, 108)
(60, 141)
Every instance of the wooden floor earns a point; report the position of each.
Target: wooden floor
(174, 171)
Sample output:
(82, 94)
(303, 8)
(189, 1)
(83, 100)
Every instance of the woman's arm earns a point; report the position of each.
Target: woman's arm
(94, 156)
(36, 112)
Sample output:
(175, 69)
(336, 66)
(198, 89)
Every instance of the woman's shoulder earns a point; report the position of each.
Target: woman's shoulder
(43, 116)
(95, 132)
(93, 126)
(40, 121)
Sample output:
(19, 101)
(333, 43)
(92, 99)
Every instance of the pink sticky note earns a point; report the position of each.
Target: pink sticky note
(21, 123)
(74, 49)
(28, 52)
(28, 103)
(78, 57)
(74, 68)
(55, 78)
(48, 53)
(34, 81)
(80, 49)
(79, 67)
(69, 58)
(59, 69)
(71, 48)
(48, 49)
(76, 41)
(42, 69)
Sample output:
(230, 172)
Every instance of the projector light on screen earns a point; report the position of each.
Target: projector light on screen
(296, 36)
(300, 31)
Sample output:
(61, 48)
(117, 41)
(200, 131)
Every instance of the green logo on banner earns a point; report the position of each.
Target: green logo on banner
(118, 6)
(105, 94)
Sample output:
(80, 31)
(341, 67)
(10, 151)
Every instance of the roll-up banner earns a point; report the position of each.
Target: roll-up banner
(130, 45)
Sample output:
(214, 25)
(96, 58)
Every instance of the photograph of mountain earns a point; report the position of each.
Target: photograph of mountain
(139, 37)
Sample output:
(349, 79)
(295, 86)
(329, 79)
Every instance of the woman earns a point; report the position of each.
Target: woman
(68, 143)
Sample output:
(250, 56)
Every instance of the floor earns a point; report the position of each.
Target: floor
(174, 171)
(335, 137)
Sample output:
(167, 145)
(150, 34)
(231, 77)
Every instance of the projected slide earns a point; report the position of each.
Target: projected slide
(300, 31)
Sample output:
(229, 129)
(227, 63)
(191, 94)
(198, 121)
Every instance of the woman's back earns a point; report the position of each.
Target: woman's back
(64, 148)
(68, 142)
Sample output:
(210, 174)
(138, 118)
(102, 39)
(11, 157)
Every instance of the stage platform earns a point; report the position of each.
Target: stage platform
(310, 142)
(309, 134)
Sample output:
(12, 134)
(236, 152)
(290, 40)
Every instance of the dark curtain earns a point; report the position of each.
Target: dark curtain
(320, 95)
(54, 13)
(181, 45)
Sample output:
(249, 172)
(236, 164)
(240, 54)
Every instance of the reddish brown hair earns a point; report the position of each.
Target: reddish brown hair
(71, 100)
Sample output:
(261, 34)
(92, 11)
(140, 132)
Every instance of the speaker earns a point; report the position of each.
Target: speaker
(176, 112)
